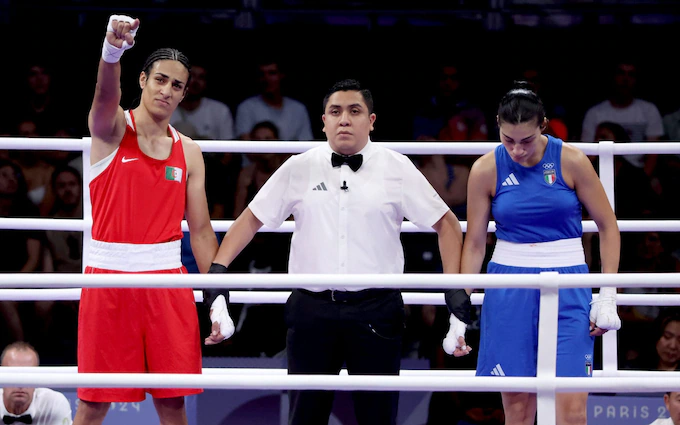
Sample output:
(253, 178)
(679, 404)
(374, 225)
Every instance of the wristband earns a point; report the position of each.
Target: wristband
(458, 302)
(209, 295)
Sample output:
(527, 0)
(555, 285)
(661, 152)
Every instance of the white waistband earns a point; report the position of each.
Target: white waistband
(560, 253)
(129, 257)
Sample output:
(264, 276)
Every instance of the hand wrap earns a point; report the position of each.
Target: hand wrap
(111, 53)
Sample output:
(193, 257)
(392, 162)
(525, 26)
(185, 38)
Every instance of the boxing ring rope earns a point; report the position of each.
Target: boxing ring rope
(280, 297)
(280, 371)
(78, 225)
(545, 384)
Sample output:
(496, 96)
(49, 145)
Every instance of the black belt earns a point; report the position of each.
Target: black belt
(349, 296)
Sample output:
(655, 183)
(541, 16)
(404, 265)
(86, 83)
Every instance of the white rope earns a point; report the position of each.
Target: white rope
(338, 382)
(287, 281)
(45, 143)
(470, 373)
(71, 224)
(280, 297)
(407, 148)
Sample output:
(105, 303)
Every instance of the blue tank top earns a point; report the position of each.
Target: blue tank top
(534, 204)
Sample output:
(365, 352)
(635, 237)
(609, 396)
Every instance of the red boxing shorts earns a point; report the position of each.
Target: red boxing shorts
(137, 330)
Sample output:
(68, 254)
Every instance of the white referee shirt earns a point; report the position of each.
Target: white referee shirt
(48, 407)
(667, 421)
(348, 231)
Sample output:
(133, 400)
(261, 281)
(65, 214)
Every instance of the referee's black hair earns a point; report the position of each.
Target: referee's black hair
(350, 85)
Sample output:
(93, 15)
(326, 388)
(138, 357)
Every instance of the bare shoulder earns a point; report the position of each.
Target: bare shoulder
(573, 157)
(192, 154)
(484, 166)
(189, 145)
(191, 148)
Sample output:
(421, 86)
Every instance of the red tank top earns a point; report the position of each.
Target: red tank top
(138, 199)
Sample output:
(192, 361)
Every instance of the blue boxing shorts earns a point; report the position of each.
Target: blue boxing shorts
(509, 327)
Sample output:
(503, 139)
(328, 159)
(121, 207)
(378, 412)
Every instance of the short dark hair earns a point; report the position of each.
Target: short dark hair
(19, 346)
(268, 125)
(620, 133)
(64, 169)
(350, 85)
(521, 105)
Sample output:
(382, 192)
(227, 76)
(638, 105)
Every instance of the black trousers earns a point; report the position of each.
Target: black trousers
(361, 330)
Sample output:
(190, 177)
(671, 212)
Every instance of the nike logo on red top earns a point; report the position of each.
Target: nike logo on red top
(124, 160)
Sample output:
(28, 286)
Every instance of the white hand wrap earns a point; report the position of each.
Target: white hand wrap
(220, 314)
(603, 310)
(111, 53)
(456, 330)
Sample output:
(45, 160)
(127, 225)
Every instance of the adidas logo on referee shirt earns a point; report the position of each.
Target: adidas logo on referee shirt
(511, 180)
(320, 186)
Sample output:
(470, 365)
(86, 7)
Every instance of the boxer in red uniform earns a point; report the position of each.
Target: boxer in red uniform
(145, 178)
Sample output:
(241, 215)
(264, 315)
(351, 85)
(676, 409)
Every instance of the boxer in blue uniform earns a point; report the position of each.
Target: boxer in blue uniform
(534, 186)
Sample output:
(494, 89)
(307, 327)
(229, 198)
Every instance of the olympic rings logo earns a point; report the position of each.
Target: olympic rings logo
(548, 165)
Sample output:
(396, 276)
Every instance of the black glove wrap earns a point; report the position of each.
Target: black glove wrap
(209, 295)
(458, 302)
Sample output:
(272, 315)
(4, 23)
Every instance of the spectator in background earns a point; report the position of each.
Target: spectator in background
(448, 179)
(199, 116)
(449, 114)
(204, 118)
(289, 115)
(39, 102)
(640, 118)
(38, 406)
(663, 352)
(66, 247)
(20, 250)
(261, 166)
(669, 165)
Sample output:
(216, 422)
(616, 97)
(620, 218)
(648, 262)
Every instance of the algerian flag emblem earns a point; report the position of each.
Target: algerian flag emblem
(173, 174)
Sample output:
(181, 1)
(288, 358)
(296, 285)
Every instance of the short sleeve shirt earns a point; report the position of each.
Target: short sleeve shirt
(352, 230)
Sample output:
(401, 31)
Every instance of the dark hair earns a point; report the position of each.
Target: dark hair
(37, 63)
(19, 346)
(64, 169)
(620, 133)
(521, 105)
(667, 316)
(268, 58)
(268, 125)
(167, 53)
(350, 85)
(22, 186)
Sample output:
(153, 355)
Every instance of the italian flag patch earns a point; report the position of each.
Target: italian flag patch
(173, 174)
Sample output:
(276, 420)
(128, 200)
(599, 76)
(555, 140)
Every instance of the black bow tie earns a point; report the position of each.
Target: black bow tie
(27, 419)
(354, 161)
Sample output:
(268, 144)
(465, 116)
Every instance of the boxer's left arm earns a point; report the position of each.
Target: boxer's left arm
(578, 170)
(203, 239)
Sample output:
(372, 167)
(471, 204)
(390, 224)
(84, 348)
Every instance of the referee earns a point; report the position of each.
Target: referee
(349, 198)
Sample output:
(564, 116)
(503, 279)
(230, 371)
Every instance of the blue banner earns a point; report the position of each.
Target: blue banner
(626, 409)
